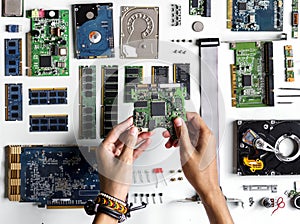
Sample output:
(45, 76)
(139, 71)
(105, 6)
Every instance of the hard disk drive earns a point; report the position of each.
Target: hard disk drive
(139, 32)
(269, 147)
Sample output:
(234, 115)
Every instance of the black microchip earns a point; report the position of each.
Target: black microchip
(140, 104)
(45, 61)
(242, 5)
(88, 71)
(158, 109)
(154, 96)
(131, 71)
(247, 80)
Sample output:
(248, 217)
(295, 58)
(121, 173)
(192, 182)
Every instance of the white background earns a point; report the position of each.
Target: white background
(170, 210)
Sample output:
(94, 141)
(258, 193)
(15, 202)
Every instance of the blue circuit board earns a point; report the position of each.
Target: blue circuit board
(13, 57)
(49, 123)
(48, 96)
(94, 36)
(58, 176)
(255, 15)
(13, 102)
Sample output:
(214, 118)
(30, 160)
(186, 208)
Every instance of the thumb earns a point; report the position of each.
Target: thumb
(129, 139)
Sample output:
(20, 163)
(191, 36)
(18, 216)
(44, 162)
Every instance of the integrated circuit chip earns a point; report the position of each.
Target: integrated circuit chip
(158, 109)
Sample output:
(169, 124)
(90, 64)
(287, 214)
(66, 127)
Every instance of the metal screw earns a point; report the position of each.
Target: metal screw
(147, 176)
(141, 197)
(153, 197)
(147, 198)
(140, 176)
(160, 197)
(135, 196)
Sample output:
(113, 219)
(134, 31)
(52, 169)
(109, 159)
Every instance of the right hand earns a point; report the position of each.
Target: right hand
(197, 153)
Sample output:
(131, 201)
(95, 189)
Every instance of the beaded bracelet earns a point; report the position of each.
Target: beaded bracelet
(116, 206)
(105, 195)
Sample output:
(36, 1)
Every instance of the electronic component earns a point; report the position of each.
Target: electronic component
(175, 15)
(156, 105)
(93, 27)
(295, 18)
(13, 102)
(13, 57)
(52, 176)
(289, 63)
(197, 26)
(109, 109)
(42, 96)
(255, 15)
(11, 28)
(48, 43)
(200, 7)
(48, 123)
(274, 144)
(133, 76)
(87, 101)
(160, 74)
(272, 188)
(12, 8)
(252, 74)
(181, 74)
(139, 32)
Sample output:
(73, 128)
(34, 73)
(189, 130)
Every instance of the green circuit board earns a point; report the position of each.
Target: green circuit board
(252, 74)
(48, 43)
(156, 105)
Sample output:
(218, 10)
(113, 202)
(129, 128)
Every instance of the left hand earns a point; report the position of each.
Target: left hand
(115, 156)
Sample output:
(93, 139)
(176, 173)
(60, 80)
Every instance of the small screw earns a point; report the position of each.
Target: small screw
(180, 178)
(135, 196)
(147, 176)
(153, 197)
(147, 198)
(141, 197)
(173, 179)
(140, 176)
(160, 197)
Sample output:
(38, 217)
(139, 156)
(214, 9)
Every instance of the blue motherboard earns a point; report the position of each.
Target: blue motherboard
(255, 15)
(94, 36)
(53, 176)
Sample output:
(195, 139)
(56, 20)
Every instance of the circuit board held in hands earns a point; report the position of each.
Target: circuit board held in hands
(156, 105)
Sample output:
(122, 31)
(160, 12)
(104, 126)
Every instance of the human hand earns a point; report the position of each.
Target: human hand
(115, 156)
(197, 153)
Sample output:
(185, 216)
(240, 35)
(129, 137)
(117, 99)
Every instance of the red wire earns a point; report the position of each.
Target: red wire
(280, 204)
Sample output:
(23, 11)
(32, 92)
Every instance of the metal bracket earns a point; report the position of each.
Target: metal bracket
(273, 188)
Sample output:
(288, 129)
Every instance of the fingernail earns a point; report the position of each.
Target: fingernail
(133, 131)
(178, 122)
